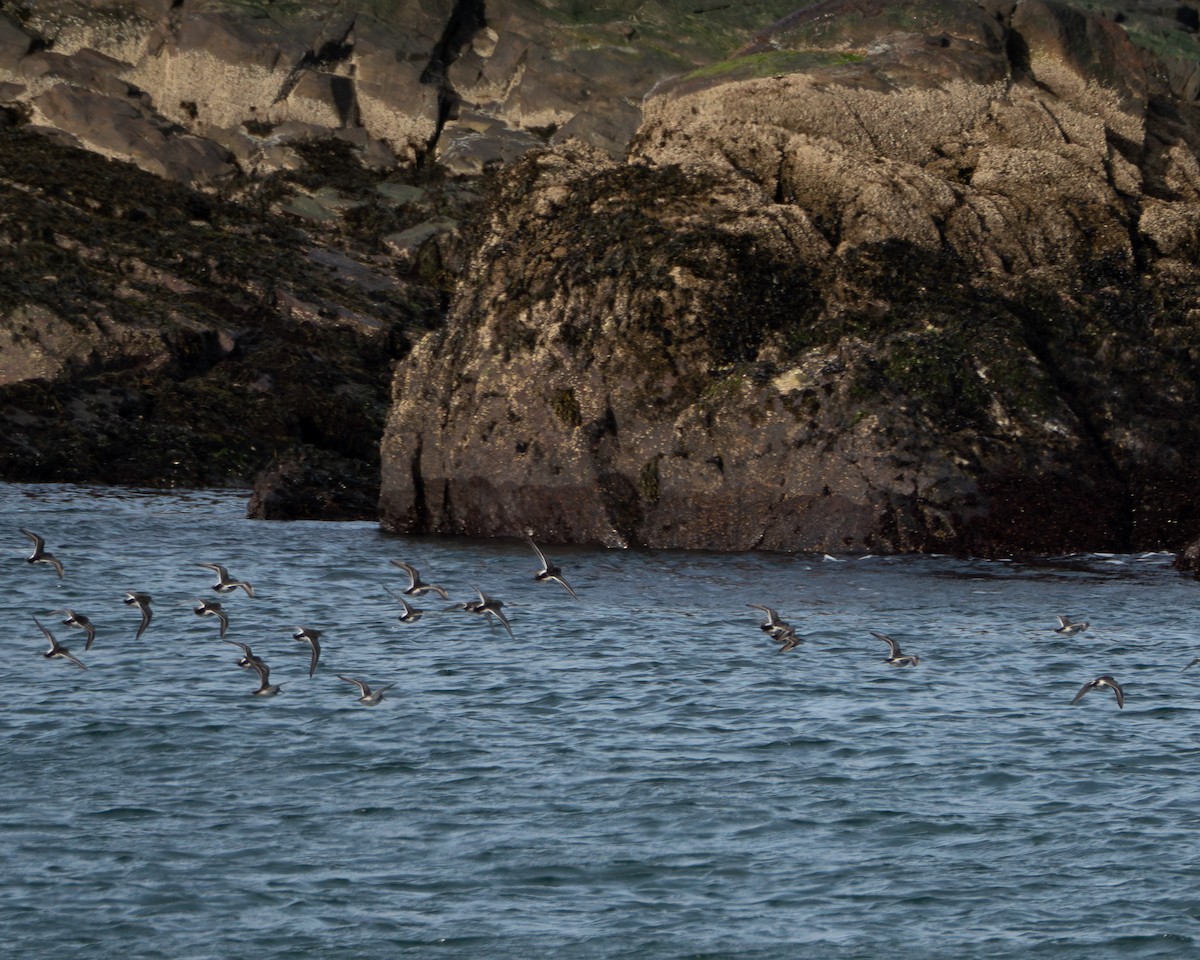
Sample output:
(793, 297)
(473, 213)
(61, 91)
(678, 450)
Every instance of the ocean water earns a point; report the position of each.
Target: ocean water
(638, 774)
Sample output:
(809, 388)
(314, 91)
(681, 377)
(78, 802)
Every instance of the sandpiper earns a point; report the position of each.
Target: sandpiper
(550, 571)
(265, 687)
(773, 626)
(1067, 625)
(367, 696)
(312, 638)
(416, 586)
(40, 554)
(142, 600)
(248, 658)
(57, 651)
(211, 608)
(411, 614)
(787, 639)
(488, 606)
(225, 583)
(1098, 684)
(73, 619)
(896, 659)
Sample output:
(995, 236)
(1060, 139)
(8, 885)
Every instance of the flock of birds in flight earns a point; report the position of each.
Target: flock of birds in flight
(485, 606)
(777, 629)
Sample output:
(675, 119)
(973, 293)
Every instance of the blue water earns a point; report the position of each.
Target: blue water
(638, 774)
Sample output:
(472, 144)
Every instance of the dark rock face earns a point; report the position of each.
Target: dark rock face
(903, 277)
(154, 335)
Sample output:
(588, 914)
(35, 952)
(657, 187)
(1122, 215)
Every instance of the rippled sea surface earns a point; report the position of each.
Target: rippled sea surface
(637, 774)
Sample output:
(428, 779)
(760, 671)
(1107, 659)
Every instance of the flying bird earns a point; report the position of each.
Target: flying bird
(367, 696)
(416, 586)
(78, 620)
(787, 639)
(1068, 626)
(57, 651)
(40, 553)
(773, 626)
(211, 608)
(488, 606)
(1099, 684)
(896, 658)
(550, 571)
(248, 659)
(312, 638)
(411, 614)
(265, 687)
(225, 583)
(142, 601)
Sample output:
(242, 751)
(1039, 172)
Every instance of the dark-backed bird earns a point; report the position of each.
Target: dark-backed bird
(211, 608)
(248, 658)
(57, 651)
(786, 639)
(265, 687)
(142, 601)
(225, 583)
(40, 553)
(416, 586)
(78, 620)
(488, 606)
(550, 571)
(411, 614)
(773, 626)
(367, 696)
(1067, 625)
(313, 639)
(896, 659)
(1099, 684)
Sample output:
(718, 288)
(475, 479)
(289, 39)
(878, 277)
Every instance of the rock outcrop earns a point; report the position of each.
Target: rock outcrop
(901, 276)
(893, 276)
(151, 334)
(199, 91)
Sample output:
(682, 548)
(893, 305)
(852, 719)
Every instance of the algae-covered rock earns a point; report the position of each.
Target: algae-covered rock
(891, 293)
(153, 335)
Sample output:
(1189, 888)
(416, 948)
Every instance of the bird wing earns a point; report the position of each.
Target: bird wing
(144, 606)
(363, 689)
(889, 641)
(413, 575)
(541, 556)
(38, 542)
(503, 619)
(67, 655)
(1090, 685)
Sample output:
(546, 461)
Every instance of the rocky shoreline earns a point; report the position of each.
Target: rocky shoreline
(845, 276)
